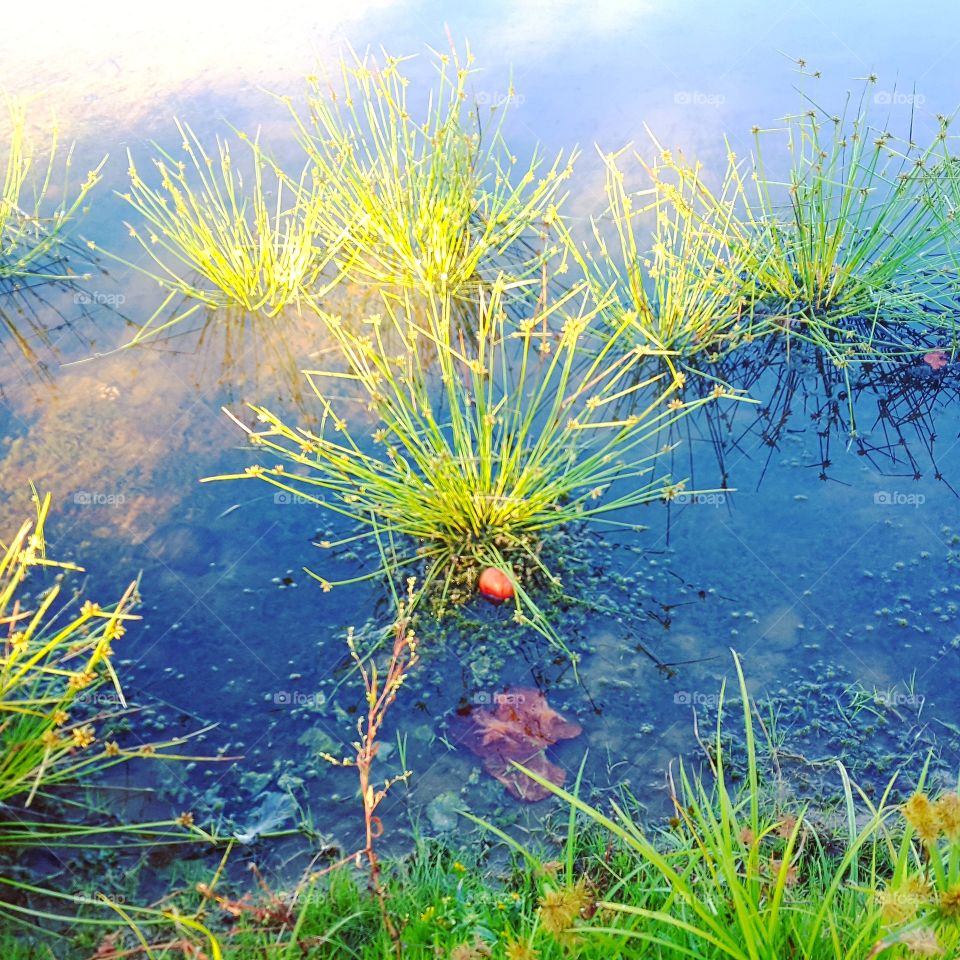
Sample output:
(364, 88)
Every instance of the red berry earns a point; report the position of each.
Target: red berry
(495, 585)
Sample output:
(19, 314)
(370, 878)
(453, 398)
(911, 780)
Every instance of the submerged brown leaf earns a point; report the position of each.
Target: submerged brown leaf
(520, 728)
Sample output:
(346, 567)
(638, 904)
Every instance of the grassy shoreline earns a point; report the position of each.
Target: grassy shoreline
(743, 869)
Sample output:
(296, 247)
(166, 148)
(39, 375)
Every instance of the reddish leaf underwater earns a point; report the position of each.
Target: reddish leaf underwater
(520, 728)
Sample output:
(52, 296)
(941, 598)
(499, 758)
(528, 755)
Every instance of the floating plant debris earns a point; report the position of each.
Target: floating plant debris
(936, 359)
(520, 728)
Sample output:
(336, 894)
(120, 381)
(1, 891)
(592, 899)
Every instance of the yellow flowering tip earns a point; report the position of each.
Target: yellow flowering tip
(559, 907)
(949, 902)
(83, 736)
(518, 950)
(78, 681)
(185, 819)
(915, 886)
(947, 812)
(918, 811)
(111, 748)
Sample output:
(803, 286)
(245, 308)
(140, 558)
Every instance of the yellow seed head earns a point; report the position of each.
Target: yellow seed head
(947, 812)
(949, 902)
(559, 907)
(78, 681)
(518, 950)
(897, 905)
(83, 736)
(918, 811)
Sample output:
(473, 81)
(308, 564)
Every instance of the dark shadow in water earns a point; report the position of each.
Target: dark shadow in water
(885, 410)
(45, 321)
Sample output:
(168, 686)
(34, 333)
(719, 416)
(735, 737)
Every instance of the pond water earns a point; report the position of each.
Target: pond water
(826, 563)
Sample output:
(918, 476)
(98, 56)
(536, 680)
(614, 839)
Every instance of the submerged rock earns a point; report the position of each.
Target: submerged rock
(317, 740)
(442, 811)
(183, 547)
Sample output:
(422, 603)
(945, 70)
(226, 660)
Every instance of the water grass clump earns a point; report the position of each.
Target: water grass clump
(736, 874)
(482, 442)
(425, 196)
(33, 233)
(56, 673)
(850, 252)
(945, 179)
(61, 704)
(852, 245)
(681, 287)
(920, 902)
(44, 670)
(224, 240)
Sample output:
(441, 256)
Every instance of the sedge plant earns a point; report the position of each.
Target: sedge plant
(920, 901)
(33, 228)
(422, 196)
(221, 239)
(850, 248)
(733, 877)
(59, 693)
(479, 448)
(945, 184)
(674, 254)
(53, 664)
